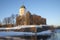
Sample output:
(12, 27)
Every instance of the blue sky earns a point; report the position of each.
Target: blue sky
(49, 9)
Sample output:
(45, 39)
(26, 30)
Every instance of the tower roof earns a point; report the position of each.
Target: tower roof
(22, 6)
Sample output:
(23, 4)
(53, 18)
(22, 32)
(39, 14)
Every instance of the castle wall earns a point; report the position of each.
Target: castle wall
(29, 19)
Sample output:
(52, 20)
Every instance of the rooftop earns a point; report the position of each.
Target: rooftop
(22, 6)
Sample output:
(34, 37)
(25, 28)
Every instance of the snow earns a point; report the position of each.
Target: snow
(23, 26)
(48, 32)
(11, 33)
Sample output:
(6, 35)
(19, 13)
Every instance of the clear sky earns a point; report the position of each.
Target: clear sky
(49, 9)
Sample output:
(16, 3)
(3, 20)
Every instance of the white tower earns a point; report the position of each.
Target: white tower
(22, 10)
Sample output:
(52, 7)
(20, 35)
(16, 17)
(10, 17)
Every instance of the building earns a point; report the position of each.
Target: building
(26, 18)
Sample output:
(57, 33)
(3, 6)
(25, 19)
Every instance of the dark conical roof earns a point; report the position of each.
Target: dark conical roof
(22, 6)
(28, 13)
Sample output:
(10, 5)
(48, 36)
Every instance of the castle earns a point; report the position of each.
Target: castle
(26, 18)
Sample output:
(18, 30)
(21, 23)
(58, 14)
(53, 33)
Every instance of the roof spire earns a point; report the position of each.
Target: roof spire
(22, 6)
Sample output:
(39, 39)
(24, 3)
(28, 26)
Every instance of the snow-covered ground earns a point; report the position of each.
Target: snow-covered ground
(47, 32)
(16, 34)
(11, 33)
(22, 26)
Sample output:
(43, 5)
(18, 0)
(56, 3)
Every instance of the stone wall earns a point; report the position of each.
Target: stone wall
(30, 19)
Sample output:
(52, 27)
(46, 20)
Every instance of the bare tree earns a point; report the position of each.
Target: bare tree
(0, 23)
(16, 15)
(13, 19)
(10, 20)
(5, 21)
